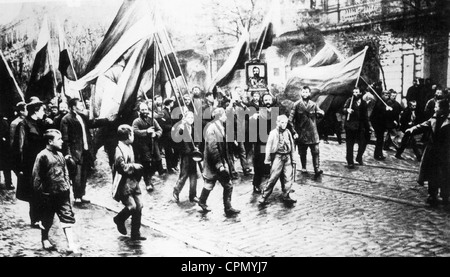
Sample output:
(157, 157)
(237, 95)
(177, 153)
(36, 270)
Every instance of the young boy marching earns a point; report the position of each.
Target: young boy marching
(279, 153)
(126, 176)
(52, 186)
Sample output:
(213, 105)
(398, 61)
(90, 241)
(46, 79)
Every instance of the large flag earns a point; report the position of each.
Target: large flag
(115, 69)
(10, 92)
(65, 66)
(328, 55)
(236, 60)
(65, 63)
(328, 81)
(41, 83)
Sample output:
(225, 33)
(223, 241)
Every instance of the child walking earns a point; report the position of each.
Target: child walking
(126, 176)
(51, 184)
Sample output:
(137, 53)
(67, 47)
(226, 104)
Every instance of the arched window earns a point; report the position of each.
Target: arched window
(298, 59)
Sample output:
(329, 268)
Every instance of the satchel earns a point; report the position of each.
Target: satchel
(115, 184)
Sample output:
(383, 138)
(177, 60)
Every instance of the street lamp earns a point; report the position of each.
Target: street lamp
(210, 50)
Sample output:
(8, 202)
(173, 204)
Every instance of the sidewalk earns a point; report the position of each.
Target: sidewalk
(94, 231)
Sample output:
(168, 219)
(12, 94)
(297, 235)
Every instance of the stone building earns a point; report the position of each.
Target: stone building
(406, 39)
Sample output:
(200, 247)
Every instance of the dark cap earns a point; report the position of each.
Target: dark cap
(34, 101)
(20, 106)
(167, 101)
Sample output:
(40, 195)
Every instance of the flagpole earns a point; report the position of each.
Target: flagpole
(360, 68)
(166, 67)
(154, 65)
(351, 104)
(178, 64)
(172, 71)
(12, 76)
(262, 44)
(176, 97)
(52, 63)
(61, 44)
(357, 79)
(374, 92)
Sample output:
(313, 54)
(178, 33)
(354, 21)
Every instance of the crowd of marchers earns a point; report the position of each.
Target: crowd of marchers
(51, 151)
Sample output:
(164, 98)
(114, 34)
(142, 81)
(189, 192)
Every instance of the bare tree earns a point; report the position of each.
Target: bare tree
(231, 17)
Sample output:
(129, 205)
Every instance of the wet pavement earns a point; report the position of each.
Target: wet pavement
(373, 210)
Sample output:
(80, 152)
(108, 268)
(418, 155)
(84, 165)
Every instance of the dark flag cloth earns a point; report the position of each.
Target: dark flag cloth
(64, 65)
(10, 92)
(327, 82)
(265, 39)
(236, 60)
(116, 68)
(41, 83)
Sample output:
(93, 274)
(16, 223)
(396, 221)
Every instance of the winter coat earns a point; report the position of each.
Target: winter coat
(216, 152)
(30, 143)
(145, 147)
(435, 162)
(358, 120)
(303, 121)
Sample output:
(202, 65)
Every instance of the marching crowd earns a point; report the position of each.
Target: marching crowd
(51, 151)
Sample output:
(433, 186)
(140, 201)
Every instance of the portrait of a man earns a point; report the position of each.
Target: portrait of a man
(256, 76)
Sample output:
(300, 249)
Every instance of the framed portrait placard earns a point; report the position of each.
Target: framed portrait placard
(256, 75)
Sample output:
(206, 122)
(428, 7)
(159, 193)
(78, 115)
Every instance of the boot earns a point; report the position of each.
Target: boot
(227, 202)
(202, 201)
(288, 200)
(136, 225)
(303, 162)
(316, 162)
(119, 220)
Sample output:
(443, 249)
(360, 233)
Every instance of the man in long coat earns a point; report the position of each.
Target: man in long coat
(217, 161)
(303, 126)
(147, 133)
(435, 164)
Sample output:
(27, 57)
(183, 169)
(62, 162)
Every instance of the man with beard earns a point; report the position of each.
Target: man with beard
(256, 80)
(378, 118)
(147, 132)
(303, 123)
(429, 107)
(357, 127)
(166, 122)
(392, 120)
(267, 114)
(63, 110)
(408, 119)
(197, 98)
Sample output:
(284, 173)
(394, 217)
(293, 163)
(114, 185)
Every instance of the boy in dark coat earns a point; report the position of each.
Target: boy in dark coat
(126, 177)
(51, 184)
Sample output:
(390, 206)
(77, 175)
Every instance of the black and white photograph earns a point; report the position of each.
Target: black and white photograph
(203, 129)
(256, 76)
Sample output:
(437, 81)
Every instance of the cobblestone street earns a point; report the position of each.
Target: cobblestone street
(375, 210)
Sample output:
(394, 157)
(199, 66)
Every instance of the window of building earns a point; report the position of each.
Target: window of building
(276, 72)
